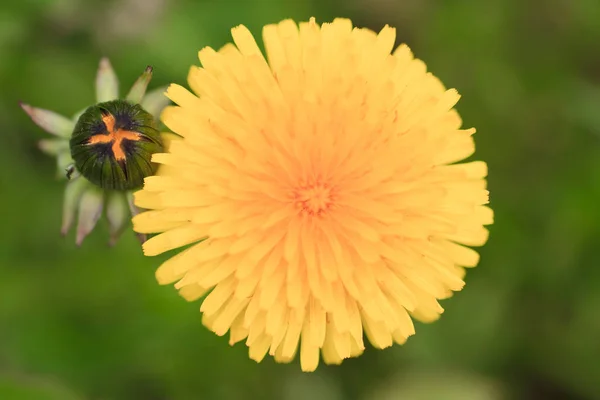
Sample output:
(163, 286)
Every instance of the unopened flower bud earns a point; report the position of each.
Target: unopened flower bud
(113, 143)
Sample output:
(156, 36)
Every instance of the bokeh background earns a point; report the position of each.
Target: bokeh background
(91, 322)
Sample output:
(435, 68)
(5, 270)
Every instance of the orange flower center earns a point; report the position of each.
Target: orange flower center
(114, 136)
(314, 198)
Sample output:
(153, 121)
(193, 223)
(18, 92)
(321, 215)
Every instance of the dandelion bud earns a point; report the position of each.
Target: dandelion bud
(112, 144)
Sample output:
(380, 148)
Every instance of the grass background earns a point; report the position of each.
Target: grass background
(91, 323)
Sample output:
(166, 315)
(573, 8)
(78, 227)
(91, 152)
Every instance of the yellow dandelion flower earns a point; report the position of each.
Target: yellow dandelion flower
(318, 190)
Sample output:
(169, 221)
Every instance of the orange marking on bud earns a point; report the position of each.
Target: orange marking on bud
(116, 137)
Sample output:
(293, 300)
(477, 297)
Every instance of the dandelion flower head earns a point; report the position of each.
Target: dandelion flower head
(318, 189)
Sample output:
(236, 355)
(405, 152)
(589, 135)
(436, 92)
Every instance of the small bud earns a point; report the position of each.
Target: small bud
(113, 143)
(107, 83)
(104, 151)
(49, 121)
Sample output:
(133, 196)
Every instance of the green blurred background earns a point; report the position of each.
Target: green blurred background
(91, 322)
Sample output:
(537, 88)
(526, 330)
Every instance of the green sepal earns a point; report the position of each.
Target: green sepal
(138, 90)
(73, 193)
(49, 121)
(116, 213)
(90, 210)
(107, 83)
